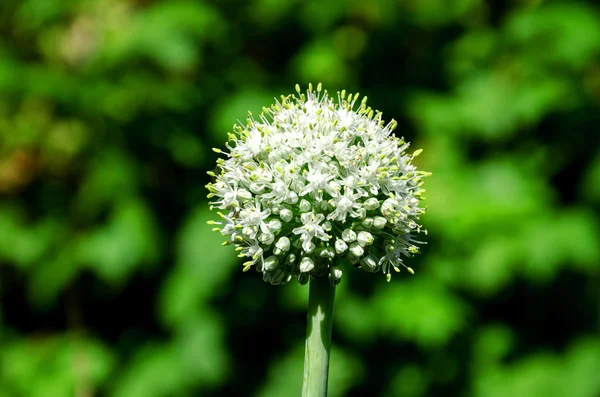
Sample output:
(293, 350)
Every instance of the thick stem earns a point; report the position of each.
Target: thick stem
(321, 298)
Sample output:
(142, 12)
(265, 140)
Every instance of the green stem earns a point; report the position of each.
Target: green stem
(321, 296)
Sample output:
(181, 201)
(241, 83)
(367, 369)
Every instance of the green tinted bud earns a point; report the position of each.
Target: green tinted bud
(271, 263)
(327, 252)
(303, 278)
(335, 276)
(369, 263)
(244, 194)
(275, 277)
(379, 222)
(304, 205)
(291, 259)
(306, 265)
(353, 259)
(367, 222)
(274, 225)
(292, 198)
(266, 238)
(340, 246)
(356, 250)
(371, 204)
(361, 213)
(283, 245)
(286, 214)
(324, 206)
(349, 235)
(365, 238)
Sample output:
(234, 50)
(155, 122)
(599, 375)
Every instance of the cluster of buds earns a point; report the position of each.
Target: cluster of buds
(313, 181)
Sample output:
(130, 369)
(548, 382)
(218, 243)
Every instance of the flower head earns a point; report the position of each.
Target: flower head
(312, 180)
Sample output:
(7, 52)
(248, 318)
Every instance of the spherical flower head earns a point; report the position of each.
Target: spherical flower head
(312, 181)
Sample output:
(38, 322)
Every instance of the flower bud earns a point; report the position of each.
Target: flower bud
(349, 235)
(306, 265)
(297, 185)
(286, 214)
(292, 198)
(324, 206)
(283, 245)
(297, 243)
(356, 250)
(371, 204)
(361, 213)
(335, 276)
(369, 263)
(340, 246)
(257, 188)
(303, 278)
(327, 252)
(275, 277)
(311, 248)
(367, 222)
(274, 225)
(244, 194)
(365, 238)
(271, 263)
(291, 259)
(379, 222)
(304, 205)
(266, 238)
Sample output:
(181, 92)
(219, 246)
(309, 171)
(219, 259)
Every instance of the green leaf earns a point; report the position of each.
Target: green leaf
(590, 187)
(420, 311)
(128, 240)
(25, 243)
(561, 34)
(542, 374)
(320, 62)
(202, 268)
(236, 107)
(54, 365)
(154, 371)
(409, 381)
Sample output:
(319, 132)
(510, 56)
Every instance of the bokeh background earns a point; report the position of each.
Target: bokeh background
(112, 284)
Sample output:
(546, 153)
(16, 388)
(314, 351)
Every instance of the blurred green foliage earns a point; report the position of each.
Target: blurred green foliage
(113, 285)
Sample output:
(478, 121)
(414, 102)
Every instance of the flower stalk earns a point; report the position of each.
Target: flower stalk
(321, 297)
(310, 186)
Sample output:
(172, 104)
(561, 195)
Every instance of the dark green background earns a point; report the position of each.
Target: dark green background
(112, 284)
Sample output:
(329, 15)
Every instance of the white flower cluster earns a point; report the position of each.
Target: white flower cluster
(313, 181)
